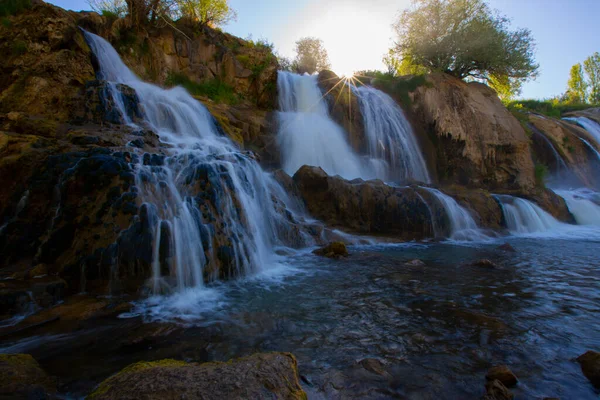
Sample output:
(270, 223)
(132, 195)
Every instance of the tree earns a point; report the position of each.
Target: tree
(591, 65)
(207, 12)
(576, 90)
(311, 55)
(117, 8)
(466, 39)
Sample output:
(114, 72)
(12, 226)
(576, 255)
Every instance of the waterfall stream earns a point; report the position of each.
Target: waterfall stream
(205, 188)
(523, 216)
(584, 204)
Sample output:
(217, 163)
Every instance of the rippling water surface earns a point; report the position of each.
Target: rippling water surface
(369, 326)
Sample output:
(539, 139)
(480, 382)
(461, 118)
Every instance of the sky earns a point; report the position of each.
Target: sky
(357, 33)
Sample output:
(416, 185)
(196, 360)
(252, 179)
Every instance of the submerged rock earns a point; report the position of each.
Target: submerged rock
(414, 263)
(22, 377)
(590, 366)
(503, 374)
(262, 375)
(485, 263)
(495, 390)
(507, 247)
(332, 250)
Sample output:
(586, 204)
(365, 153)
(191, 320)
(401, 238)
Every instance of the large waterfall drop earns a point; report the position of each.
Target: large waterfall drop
(390, 137)
(584, 204)
(307, 134)
(523, 216)
(206, 188)
(592, 127)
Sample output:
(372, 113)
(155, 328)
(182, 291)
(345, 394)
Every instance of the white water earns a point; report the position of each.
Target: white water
(390, 137)
(592, 148)
(522, 216)
(592, 127)
(244, 197)
(308, 136)
(462, 224)
(584, 204)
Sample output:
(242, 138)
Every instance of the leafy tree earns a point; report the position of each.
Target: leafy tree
(117, 8)
(577, 87)
(207, 12)
(311, 55)
(466, 39)
(591, 65)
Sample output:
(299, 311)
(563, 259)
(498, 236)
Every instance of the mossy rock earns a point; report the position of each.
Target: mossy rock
(22, 376)
(332, 250)
(262, 375)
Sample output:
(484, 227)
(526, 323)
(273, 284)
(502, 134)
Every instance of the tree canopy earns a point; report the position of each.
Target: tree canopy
(577, 86)
(311, 56)
(466, 39)
(591, 66)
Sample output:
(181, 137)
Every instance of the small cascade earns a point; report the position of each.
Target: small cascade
(592, 127)
(390, 137)
(584, 204)
(592, 148)
(462, 224)
(308, 136)
(522, 216)
(205, 191)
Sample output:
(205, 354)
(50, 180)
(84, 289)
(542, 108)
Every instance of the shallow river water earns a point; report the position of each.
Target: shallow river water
(370, 326)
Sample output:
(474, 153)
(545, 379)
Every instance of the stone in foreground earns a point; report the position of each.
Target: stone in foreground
(22, 377)
(332, 250)
(590, 366)
(259, 376)
(495, 390)
(503, 374)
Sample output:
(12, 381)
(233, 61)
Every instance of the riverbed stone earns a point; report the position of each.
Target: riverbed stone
(507, 247)
(590, 366)
(262, 375)
(503, 374)
(485, 263)
(414, 263)
(495, 390)
(332, 250)
(21, 377)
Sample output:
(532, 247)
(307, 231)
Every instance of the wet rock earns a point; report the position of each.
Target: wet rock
(485, 263)
(495, 390)
(374, 365)
(23, 297)
(21, 377)
(590, 366)
(503, 374)
(507, 247)
(332, 250)
(262, 375)
(414, 263)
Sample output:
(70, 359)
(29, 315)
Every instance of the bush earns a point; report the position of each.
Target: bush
(19, 47)
(12, 7)
(541, 172)
(550, 108)
(214, 89)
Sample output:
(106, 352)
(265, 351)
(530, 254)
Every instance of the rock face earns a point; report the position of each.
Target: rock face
(262, 375)
(478, 142)
(344, 108)
(590, 366)
(368, 207)
(22, 378)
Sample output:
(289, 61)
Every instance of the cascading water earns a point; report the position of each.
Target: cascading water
(523, 216)
(584, 204)
(592, 127)
(462, 224)
(205, 177)
(390, 137)
(307, 134)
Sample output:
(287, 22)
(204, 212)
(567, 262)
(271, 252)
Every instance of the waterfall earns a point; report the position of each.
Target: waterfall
(462, 224)
(584, 204)
(592, 148)
(523, 216)
(390, 137)
(308, 136)
(592, 127)
(205, 189)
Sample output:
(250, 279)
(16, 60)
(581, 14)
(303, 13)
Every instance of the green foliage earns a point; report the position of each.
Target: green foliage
(12, 7)
(6, 22)
(286, 64)
(262, 44)
(551, 108)
(591, 65)
(541, 172)
(466, 39)
(577, 87)
(112, 9)
(214, 89)
(18, 47)
(207, 12)
(311, 55)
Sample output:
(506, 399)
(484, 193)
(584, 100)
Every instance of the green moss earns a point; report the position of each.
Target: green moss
(12, 7)
(6, 22)
(18, 48)
(541, 172)
(139, 366)
(550, 108)
(214, 89)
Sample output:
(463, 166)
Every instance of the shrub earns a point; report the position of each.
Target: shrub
(19, 47)
(214, 89)
(541, 172)
(550, 108)
(12, 7)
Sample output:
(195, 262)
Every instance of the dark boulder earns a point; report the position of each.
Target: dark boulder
(332, 250)
(590, 366)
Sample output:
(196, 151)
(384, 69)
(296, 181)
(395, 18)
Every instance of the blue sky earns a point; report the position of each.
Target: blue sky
(357, 33)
